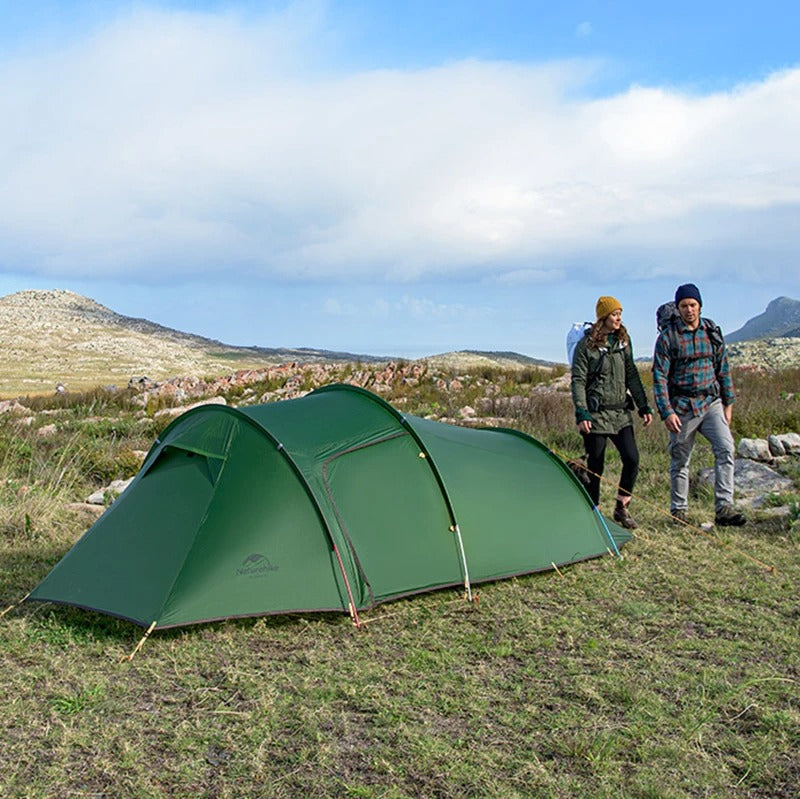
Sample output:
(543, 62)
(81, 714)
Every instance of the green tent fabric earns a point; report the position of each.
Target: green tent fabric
(332, 502)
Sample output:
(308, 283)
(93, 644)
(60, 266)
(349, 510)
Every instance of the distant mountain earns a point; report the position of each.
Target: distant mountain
(59, 337)
(781, 319)
(52, 337)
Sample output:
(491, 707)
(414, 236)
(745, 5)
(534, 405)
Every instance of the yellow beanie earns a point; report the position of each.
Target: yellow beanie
(607, 305)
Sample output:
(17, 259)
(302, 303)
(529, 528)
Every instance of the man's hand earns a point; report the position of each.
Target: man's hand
(673, 423)
(727, 410)
(585, 427)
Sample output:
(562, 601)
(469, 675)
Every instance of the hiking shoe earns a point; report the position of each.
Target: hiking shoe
(623, 517)
(728, 516)
(679, 516)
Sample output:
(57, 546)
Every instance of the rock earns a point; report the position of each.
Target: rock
(111, 491)
(776, 446)
(87, 507)
(754, 448)
(13, 406)
(467, 412)
(790, 443)
(752, 479)
(182, 409)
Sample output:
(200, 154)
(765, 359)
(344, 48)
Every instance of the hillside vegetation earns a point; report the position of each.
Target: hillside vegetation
(672, 673)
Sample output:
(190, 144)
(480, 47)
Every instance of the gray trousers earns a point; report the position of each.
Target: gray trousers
(711, 425)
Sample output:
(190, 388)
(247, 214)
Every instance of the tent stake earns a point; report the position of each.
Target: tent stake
(11, 607)
(354, 615)
(139, 645)
(557, 569)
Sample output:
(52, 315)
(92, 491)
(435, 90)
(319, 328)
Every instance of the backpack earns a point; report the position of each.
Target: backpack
(667, 316)
(574, 335)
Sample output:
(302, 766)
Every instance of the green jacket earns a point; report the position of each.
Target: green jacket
(605, 386)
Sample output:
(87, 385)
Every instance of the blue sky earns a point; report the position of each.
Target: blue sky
(401, 178)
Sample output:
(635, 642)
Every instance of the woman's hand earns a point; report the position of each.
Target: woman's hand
(647, 418)
(585, 427)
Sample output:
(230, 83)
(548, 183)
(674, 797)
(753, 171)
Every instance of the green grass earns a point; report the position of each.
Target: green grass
(674, 672)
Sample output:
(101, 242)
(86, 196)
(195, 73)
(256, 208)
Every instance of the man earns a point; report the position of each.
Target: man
(694, 393)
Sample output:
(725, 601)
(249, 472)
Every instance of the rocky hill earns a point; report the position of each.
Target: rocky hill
(768, 353)
(57, 337)
(780, 319)
(474, 359)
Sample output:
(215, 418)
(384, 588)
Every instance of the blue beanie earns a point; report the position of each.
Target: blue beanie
(688, 291)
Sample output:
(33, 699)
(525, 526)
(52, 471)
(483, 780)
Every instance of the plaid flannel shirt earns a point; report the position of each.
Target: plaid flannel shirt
(694, 382)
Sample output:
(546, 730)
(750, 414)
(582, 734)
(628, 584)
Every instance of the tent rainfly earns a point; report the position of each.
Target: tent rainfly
(332, 502)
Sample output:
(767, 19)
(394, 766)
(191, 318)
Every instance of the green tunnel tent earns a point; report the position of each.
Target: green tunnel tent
(332, 502)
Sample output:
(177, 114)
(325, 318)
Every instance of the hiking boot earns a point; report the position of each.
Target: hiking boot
(623, 517)
(728, 516)
(679, 516)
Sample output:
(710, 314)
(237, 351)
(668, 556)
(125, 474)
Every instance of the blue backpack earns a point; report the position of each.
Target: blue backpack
(574, 335)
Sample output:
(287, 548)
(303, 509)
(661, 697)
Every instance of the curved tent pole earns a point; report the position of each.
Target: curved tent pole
(392, 411)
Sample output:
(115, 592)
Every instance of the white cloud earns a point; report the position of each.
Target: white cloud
(405, 306)
(198, 144)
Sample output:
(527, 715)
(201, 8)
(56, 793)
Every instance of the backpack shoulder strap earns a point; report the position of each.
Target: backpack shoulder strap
(714, 334)
(671, 332)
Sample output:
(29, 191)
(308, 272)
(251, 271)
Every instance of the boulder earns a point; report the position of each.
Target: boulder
(756, 449)
(752, 479)
(790, 442)
(111, 491)
(776, 446)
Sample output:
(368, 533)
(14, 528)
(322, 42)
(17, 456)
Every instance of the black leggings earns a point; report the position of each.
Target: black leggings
(595, 446)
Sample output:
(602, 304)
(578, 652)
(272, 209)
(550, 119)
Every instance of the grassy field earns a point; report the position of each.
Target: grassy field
(674, 672)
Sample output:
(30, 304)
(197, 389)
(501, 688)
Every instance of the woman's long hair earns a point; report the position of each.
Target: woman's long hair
(598, 335)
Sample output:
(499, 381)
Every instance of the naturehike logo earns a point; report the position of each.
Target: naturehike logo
(255, 565)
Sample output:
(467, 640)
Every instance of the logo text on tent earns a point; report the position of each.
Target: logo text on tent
(255, 565)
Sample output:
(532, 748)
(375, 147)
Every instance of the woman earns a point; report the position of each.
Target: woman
(605, 386)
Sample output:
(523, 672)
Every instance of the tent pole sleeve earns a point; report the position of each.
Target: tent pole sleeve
(608, 532)
(467, 585)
